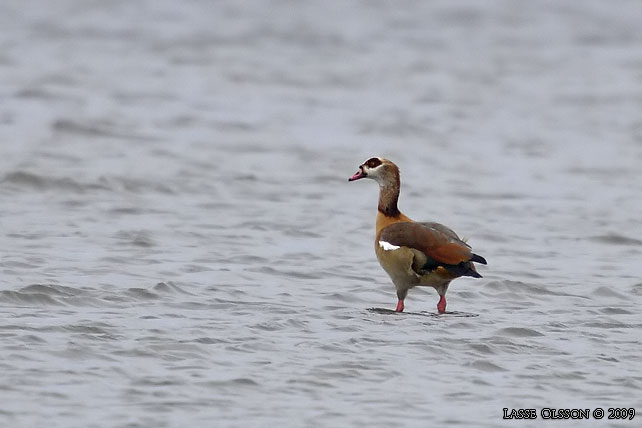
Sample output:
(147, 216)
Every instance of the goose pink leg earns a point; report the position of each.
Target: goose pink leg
(399, 306)
(441, 306)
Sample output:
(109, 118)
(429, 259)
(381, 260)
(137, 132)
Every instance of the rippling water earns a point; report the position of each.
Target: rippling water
(180, 246)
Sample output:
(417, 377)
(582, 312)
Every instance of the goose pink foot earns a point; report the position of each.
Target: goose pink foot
(399, 306)
(441, 306)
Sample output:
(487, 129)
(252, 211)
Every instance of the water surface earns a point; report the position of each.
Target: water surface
(181, 247)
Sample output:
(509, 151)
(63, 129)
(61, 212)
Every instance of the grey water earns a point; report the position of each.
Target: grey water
(179, 245)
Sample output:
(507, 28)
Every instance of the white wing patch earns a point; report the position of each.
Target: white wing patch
(388, 246)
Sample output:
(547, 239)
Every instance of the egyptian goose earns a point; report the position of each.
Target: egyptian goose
(412, 253)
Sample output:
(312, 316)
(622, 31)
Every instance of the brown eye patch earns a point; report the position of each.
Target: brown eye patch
(373, 162)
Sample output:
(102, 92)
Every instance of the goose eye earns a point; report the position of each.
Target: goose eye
(373, 162)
